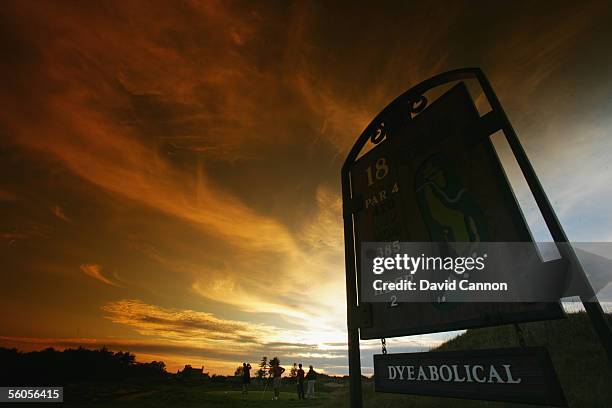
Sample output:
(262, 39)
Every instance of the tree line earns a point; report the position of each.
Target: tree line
(52, 367)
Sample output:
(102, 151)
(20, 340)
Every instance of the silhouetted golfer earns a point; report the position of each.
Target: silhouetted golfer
(246, 377)
(277, 371)
(311, 378)
(300, 382)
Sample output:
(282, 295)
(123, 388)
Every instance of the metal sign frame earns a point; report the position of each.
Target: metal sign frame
(490, 123)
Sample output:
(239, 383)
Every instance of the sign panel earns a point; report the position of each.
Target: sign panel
(520, 375)
(436, 178)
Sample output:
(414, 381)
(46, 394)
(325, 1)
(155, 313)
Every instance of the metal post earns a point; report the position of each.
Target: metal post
(590, 302)
(351, 296)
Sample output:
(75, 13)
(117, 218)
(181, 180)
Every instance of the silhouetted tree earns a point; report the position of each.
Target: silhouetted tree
(263, 368)
(125, 358)
(293, 371)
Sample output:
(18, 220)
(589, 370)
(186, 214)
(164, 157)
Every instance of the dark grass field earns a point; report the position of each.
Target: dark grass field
(203, 395)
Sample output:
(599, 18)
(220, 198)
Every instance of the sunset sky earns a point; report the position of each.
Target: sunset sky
(170, 171)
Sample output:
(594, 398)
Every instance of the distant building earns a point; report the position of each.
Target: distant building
(190, 372)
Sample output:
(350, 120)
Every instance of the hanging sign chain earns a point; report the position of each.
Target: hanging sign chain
(384, 345)
(519, 334)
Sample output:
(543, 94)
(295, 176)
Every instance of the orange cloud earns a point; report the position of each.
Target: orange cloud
(95, 271)
(180, 324)
(89, 116)
(59, 213)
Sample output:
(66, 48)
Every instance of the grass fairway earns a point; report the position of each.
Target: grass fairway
(201, 396)
(260, 399)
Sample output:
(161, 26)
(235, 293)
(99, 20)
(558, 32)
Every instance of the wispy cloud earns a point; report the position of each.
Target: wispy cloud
(202, 332)
(95, 271)
(180, 324)
(59, 213)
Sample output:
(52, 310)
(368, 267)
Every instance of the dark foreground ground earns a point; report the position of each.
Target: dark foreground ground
(212, 396)
(577, 356)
